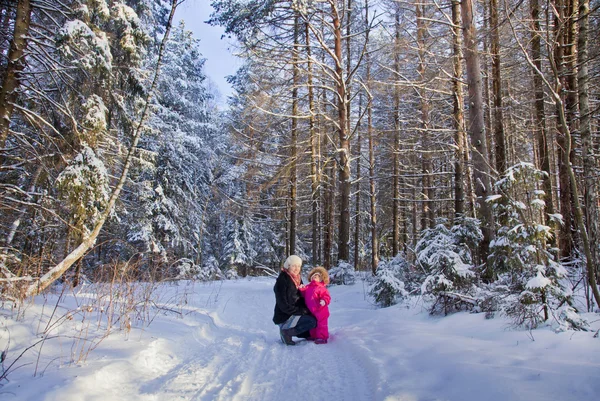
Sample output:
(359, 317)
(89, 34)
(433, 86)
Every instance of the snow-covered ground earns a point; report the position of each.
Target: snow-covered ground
(220, 344)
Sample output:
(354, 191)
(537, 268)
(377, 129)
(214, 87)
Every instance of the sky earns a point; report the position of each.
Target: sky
(219, 59)
(215, 341)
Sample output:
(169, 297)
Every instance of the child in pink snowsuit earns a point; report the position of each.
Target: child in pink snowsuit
(317, 300)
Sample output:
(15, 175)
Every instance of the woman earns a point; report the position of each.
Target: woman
(291, 313)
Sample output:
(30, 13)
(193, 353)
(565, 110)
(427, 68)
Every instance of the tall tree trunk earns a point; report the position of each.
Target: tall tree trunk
(315, 157)
(487, 110)
(372, 185)
(458, 113)
(590, 198)
(481, 169)
(565, 195)
(88, 240)
(329, 212)
(16, 64)
(294, 144)
(541, 132)
(344, 144)
(348, 61)
(499, 137)
(427, 216)
(396, 147)
(357, 200)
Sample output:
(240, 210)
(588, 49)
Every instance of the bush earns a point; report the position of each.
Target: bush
(521, 258)
(343, 273)
(445, 258)
(387, 289)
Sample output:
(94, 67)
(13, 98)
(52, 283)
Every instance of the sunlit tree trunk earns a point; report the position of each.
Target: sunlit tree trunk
(344, 140)
(458, 113)
(481, 169)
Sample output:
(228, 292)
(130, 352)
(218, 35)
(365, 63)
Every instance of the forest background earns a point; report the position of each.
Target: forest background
(450, 148)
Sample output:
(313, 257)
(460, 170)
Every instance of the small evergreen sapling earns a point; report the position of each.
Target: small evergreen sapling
(343, 273)
(387, 289)
(445, 258)
(521, 257)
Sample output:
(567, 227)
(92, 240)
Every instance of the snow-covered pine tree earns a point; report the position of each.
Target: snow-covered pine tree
(238, 252)
(387, 287)
(529, 278)
(343, 273)
(445, 264)
(173, 180)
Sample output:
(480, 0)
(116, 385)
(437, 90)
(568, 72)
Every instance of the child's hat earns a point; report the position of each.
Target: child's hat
(319, 270)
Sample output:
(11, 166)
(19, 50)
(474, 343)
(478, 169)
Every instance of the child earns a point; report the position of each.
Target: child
(317, 300)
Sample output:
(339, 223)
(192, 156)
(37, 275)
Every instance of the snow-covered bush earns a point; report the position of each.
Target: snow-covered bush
(343, 273)
(231, 273)
(387, 289)
(521, 257)
(210, 270)
(238, 251)
(186, 269)
(445, 258)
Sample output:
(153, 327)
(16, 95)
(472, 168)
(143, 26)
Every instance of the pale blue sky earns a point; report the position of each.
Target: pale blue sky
(219, 60)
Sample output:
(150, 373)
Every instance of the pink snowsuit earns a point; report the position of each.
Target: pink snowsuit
(314, 292)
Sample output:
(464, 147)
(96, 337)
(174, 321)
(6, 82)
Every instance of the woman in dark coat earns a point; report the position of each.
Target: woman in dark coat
(291, 313)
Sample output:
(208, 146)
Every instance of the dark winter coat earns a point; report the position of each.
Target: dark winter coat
(288, 299)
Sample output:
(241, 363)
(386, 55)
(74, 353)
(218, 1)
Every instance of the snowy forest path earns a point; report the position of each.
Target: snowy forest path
(234, 353)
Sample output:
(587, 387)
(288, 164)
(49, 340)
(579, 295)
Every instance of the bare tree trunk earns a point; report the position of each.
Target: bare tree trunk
(487, 110)
(372, 185)
(357, 205)
(294, 140)
(459, 118)
(88, 241)
(499, 137)
(481, 165)
(541, 132)
(329, 216)
(315, 157)
(396, 148)
(16, 63)
(565, 196)
(427, 216)
(348, 61)
(590, 198)
(344, 147)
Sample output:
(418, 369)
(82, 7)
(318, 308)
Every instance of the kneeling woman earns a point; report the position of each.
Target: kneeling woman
(291, 313)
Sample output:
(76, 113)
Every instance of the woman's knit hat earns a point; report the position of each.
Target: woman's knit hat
(319, 270)
(292, 260)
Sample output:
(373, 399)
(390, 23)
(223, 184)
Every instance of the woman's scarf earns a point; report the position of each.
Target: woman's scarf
(295, 277)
